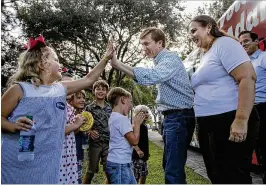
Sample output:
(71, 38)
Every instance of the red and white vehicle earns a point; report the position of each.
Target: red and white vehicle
(241, 15)
(244, 15)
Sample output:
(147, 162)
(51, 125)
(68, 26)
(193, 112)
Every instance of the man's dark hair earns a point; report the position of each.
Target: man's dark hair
(253, 36)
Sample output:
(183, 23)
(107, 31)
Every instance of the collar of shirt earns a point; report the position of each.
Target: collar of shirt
(255, 54)
(160, 55)
(95, 105)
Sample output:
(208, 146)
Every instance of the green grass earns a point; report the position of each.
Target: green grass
(156, 174)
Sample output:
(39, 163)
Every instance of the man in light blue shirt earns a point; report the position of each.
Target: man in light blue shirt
(174, 99)
(249, 41)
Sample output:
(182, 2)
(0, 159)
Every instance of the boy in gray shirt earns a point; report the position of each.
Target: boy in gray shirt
(123, 136)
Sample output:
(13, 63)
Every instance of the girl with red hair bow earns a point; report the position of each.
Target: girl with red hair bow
(34, 91)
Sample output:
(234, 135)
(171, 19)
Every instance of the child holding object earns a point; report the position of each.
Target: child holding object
(34, 91)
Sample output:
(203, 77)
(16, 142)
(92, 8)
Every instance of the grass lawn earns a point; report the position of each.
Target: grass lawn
(156, 174)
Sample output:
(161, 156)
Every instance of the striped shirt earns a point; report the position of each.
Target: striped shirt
(171, 79)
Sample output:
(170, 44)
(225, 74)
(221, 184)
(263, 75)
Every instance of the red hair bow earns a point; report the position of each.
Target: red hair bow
(64, 69)
(32, 43)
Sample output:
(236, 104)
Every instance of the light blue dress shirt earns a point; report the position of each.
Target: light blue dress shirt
(171, 79)
(258, 60)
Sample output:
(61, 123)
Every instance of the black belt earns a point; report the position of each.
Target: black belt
(171, 111)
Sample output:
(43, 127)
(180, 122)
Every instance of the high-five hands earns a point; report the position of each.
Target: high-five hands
(110, 50)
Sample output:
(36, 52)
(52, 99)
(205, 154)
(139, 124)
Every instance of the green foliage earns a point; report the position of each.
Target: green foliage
(218, 8)
(10, 46)
(141, 94)
(149, 122)
(79, 30)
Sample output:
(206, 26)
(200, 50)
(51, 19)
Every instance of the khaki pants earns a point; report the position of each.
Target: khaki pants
(96, 152)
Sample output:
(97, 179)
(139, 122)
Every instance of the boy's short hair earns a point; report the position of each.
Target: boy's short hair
(100, 83)
(115, 93)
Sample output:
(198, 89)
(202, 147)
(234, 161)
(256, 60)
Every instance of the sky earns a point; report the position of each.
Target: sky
(191, 6)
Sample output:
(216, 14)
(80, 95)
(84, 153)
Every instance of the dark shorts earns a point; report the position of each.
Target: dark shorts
(96, 152)
(140, 168)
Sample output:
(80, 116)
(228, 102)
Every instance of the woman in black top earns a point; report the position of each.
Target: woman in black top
(141, 154)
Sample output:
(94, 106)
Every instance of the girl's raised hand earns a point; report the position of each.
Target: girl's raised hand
(110, 50)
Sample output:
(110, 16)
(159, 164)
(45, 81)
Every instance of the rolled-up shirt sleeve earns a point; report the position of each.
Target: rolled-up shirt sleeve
(162, 72)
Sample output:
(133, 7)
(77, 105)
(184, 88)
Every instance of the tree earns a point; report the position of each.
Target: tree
(79, 30)
(218, 8)
(10, 46)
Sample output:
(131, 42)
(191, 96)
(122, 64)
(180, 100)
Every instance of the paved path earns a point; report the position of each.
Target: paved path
(194, 160)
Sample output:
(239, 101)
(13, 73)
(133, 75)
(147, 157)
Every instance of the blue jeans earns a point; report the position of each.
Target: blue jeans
(120, 173)
(178, 130)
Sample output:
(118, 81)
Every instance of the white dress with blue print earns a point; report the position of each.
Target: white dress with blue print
(47, 105)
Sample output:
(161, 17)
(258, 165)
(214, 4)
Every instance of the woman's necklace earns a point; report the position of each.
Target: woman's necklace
(209, 47)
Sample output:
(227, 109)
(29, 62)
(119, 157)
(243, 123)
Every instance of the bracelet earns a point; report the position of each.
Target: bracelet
(106, 58)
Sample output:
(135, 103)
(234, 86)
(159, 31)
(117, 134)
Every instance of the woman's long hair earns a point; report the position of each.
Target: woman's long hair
(206, 20)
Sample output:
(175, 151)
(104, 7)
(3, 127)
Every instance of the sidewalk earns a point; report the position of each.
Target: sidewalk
(194, 160)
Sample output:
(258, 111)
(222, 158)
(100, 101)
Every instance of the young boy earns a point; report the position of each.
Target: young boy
(122, 137)
(99, 134)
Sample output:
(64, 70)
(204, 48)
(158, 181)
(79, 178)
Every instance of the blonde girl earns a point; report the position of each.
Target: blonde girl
(34, 91)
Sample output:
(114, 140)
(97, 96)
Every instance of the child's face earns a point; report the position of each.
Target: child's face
(78, 102)
(54, 66)
(100, 92)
